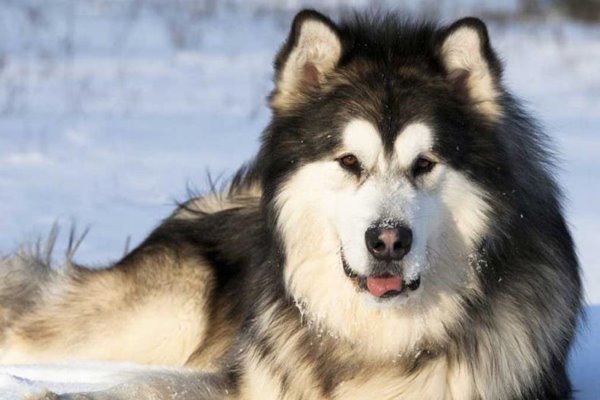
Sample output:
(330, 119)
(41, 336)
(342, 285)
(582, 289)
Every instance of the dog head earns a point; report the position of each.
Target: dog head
(376, 165)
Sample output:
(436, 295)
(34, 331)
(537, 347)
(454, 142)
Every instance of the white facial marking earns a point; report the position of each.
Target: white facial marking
(362, 139)
(356, 211)
(467, 204)
(414, 139)
(323, 212)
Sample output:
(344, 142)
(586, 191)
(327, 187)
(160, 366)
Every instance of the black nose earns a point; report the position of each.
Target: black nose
(388, 242)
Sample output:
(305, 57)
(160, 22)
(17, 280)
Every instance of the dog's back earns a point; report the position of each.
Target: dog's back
(174, 300)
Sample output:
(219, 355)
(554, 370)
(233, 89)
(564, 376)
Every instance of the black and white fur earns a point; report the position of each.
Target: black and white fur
(270, 285)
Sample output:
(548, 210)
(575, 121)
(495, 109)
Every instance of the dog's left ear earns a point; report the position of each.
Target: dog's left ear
(471, 64)
(312, 50)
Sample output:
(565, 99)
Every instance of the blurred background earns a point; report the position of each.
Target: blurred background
(111, 109)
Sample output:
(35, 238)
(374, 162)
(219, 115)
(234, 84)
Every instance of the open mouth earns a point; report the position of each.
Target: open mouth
(382, 286)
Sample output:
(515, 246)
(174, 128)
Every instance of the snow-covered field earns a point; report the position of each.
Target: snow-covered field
(108, 111)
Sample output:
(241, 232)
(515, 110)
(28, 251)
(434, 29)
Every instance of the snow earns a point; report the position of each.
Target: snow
(109, 112)
(19, 381)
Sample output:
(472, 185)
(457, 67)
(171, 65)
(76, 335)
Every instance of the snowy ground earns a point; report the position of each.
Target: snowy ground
(108, 112)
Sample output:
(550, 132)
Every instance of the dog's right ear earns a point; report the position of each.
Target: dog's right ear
(312, 50)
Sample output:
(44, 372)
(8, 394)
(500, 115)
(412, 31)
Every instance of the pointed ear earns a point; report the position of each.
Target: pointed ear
(312, 50)
(471, 64)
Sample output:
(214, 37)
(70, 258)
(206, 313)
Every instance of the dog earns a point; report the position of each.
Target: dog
(399, 235)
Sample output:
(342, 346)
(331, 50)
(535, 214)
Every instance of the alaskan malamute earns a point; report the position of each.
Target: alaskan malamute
(399, 235)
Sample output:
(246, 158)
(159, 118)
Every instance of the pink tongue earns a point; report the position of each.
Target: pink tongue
(378, 286)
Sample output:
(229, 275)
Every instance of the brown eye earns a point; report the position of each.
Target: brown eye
(349, 160)
(422, 166)
(351, 163)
